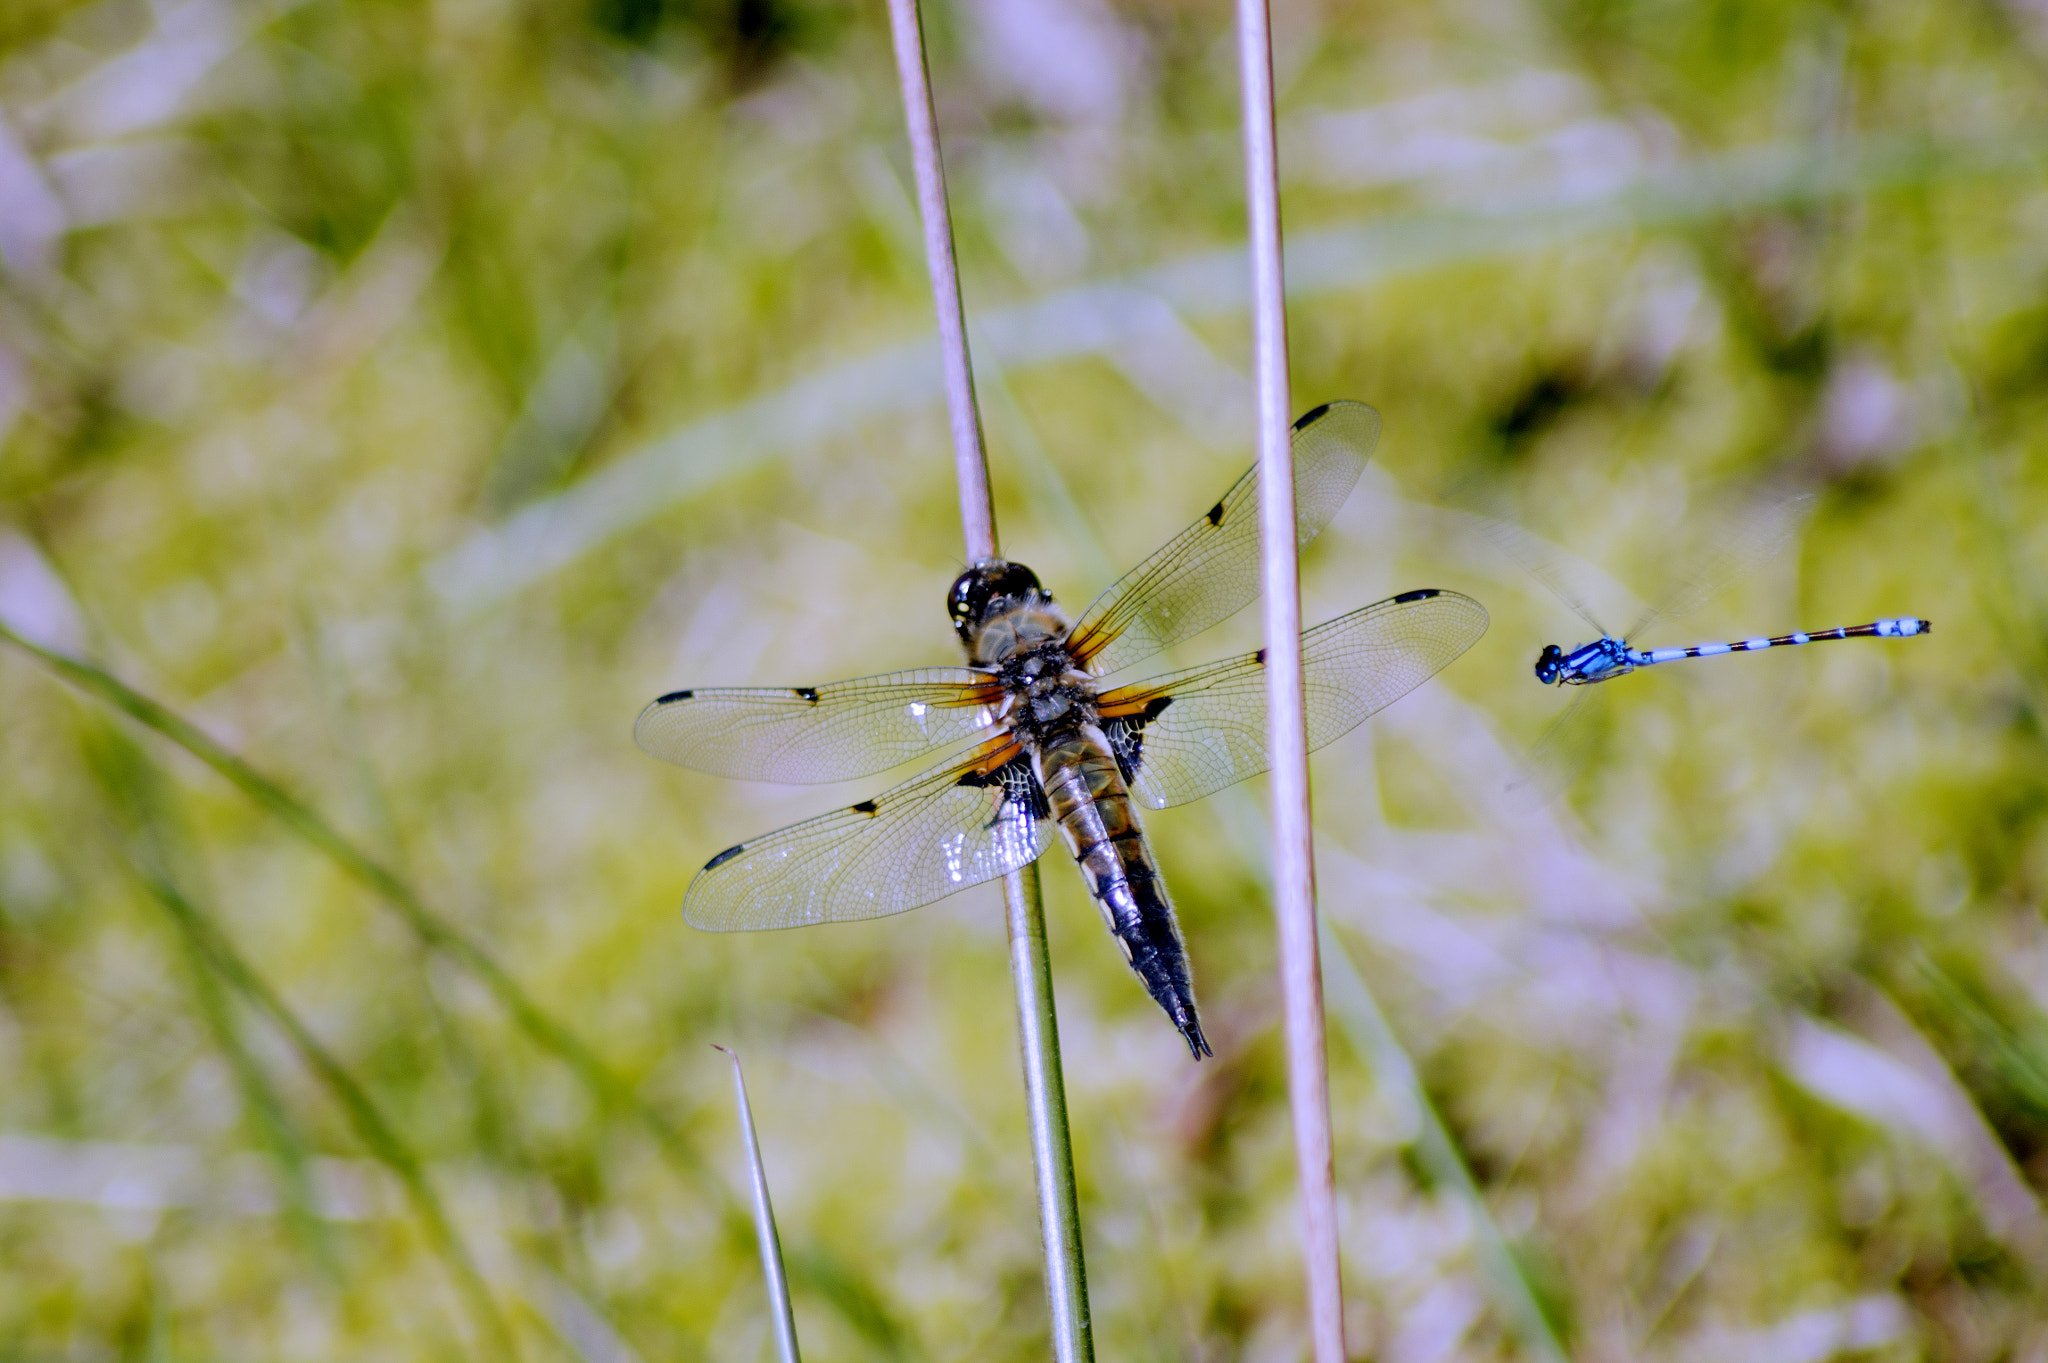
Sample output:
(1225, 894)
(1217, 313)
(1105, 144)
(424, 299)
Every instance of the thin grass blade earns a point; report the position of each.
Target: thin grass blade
(841, 1283)
(1359, 1014)
(1045, 1099)
(370, 1124)
(135, 787)
(1294, 879)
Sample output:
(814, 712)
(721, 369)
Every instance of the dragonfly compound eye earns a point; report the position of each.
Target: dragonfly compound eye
(960, 597)
(974, 590)
(1549, 663)
(1015, 581)
(981, 586)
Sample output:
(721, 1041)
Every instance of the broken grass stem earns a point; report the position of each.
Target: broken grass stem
(772, 1274)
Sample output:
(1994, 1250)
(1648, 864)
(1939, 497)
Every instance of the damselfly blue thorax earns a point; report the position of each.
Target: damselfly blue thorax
(1055, 742)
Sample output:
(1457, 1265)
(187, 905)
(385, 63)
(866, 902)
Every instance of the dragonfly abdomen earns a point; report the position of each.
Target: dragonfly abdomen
(1096, 815)
(1905, 627)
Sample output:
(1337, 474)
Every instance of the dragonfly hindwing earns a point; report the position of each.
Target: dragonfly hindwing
(1022, 794)
(1126, 735)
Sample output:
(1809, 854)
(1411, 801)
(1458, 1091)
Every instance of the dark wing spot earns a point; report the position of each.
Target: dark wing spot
(1421, 595)
(1260, 657)
(1126, 743)
(1216, 514)
(809, 693)
(975, 778)
(864, 807)
(672, 696)
(1153, 708)
(1310, 417)
(1021, 788)
(727, 855)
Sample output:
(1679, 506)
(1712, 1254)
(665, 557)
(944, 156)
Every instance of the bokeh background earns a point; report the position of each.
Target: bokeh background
(403, 393)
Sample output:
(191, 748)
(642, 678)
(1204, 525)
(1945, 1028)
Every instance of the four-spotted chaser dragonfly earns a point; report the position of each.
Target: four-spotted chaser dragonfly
(1054, 741)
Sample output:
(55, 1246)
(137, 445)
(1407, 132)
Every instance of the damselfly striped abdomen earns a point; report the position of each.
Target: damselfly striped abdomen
(1608, 657)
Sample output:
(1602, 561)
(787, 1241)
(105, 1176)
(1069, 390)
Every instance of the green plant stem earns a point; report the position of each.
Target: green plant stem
(1045, 1094)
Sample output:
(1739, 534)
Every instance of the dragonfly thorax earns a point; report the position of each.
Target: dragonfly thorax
(1048, 695)
(1602, 660)
(1011, 626)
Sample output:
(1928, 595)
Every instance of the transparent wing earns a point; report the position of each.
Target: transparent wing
(1190, 734)
(1759, 537)
(957, 825)
(1539, 559)
(807, 734)
(1566, 747)
(1210, 571)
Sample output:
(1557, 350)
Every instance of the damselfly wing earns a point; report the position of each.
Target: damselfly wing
(1055, 744)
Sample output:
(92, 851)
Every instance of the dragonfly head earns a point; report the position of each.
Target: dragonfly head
(1549, 664)
(989, 584)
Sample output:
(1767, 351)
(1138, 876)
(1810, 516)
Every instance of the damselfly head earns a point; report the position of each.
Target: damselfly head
(1549, 664)
(991, 584)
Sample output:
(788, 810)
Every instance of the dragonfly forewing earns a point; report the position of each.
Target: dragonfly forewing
(1189, 734)
(804, 735)
(1210, 571)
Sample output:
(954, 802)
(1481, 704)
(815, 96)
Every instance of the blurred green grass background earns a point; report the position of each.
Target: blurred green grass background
(405, 393)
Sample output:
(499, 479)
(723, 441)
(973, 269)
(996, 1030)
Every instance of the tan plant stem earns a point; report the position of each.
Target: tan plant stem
(1294, 888)
(970, 456)
(1066, 1281)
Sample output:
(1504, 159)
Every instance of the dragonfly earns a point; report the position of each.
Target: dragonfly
(1054, 740)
